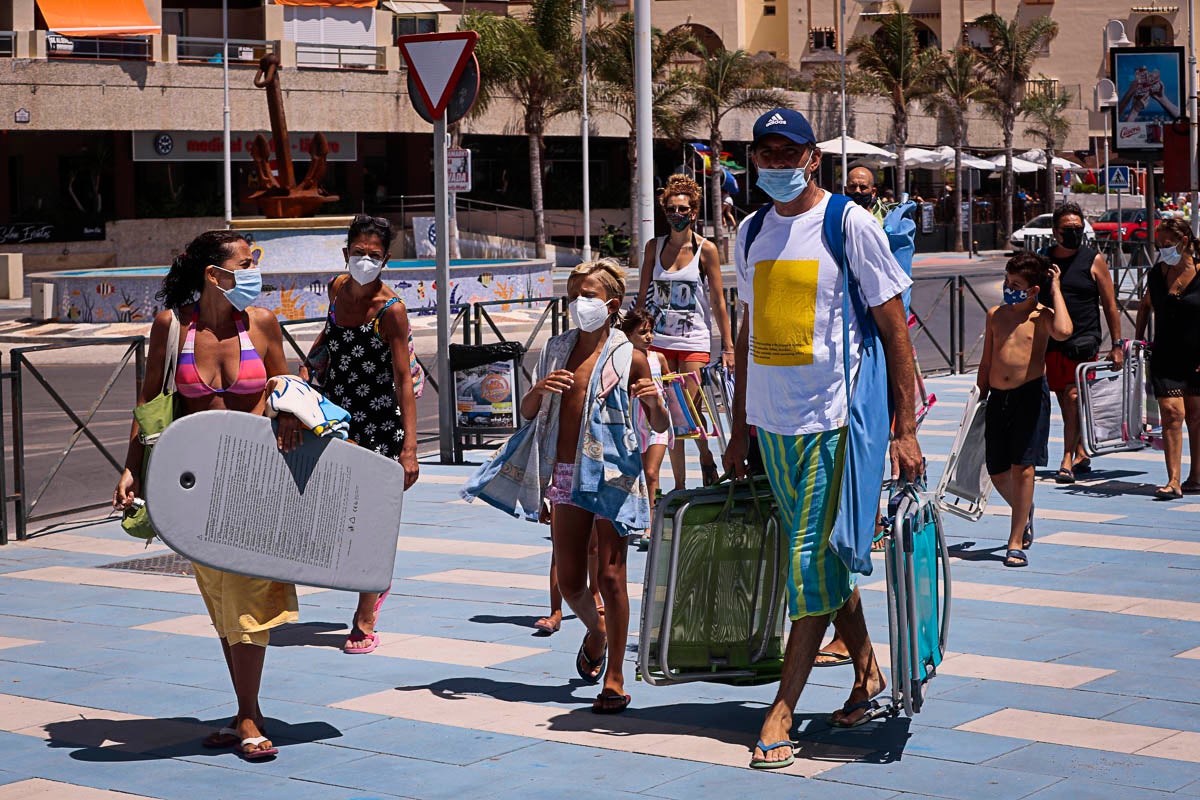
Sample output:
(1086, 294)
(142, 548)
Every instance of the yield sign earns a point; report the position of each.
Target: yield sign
(437, 60)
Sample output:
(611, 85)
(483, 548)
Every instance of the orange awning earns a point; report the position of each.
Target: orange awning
(97, 17)
(328, 3)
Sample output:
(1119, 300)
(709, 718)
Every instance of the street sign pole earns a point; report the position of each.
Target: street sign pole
(441, 204)
(443, 80)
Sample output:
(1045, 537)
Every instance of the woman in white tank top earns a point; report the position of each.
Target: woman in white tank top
(681, 287)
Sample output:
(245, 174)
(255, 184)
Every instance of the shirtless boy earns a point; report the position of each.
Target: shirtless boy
(1012, 377)
(597, 474)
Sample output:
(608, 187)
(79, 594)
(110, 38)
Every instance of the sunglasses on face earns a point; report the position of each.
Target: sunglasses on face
(677, 209)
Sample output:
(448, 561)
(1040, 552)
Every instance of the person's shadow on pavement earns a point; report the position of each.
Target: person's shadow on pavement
(731, 722)
(112, 740)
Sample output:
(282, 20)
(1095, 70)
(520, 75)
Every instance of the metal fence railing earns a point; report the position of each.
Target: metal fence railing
(66, 394)
(123, 48)
(203, 50)
(338, 56)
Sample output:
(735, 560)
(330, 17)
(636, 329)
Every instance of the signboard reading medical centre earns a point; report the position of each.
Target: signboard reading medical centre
(207, 146)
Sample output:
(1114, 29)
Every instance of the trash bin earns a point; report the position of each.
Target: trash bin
(487, 388)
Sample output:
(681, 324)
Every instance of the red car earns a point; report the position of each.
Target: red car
(1132, 226)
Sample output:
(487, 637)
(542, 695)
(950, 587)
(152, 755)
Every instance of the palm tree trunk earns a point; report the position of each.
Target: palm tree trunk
(535, 190)
(900, 127)
(714, 191)
(1049, 195)
(635, 244)
(956, 195)
(1007, 192)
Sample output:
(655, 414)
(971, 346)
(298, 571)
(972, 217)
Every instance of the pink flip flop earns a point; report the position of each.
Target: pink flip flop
(361, 645)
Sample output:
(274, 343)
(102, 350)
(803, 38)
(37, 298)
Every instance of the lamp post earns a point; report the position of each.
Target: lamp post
(1105, 86)
(227, 165)
(842, 48)
(1193, 166)
(587, 188)
(642, 111)
(1112, 34)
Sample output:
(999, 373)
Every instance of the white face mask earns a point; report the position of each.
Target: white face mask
(590, 313)
(364, 269)
(1169, 255)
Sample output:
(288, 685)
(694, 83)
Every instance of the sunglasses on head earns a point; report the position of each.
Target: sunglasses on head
(367, 219)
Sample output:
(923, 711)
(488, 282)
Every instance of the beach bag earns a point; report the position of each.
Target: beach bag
(153, 417)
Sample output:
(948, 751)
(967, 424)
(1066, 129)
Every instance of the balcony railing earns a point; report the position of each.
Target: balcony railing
(336, 56)
(196, 49)
(123, 48)
(8, 44)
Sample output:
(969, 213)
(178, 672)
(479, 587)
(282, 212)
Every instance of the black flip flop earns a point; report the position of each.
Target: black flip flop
(1018, 556)
(1064, 476)
(839, 659)
(1083, 467)
(599, 707)
(1167, 493)
(1027, 536)
(597, 666)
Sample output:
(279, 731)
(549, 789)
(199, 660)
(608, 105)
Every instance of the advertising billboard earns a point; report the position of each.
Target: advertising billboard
(1150, 95)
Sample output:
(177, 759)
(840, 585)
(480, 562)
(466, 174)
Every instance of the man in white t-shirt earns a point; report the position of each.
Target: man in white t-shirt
(790, 387)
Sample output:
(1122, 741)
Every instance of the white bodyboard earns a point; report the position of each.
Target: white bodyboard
(327, 514)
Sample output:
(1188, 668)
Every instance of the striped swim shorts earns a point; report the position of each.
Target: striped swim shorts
(806, 477)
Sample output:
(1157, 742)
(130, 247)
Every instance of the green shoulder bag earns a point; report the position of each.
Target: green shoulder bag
(153, 417)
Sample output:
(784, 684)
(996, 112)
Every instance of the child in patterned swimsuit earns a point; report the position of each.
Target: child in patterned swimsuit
(638, 325)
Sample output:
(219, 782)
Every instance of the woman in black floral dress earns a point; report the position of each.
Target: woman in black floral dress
(369, 374)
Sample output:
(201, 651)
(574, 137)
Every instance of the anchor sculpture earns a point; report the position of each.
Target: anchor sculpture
(281, 196)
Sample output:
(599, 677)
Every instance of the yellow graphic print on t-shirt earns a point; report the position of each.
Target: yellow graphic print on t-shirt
(785, 304)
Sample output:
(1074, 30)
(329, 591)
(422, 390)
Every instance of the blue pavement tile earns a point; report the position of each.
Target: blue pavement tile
(965, 746)
(61, 653)
(1076, 702)
(549, 790)
(1153, 687)
(593, 769)
(1099, 765)
(428, 742)
(728, 782)
(1182, 713)
(942, 779)
(380, 774)
(115, 615)
(41, 683)
(144, 697)
(1094, 790)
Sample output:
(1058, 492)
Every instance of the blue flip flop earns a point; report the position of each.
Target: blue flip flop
(1017, 556)
(760, 763)
(588, 670)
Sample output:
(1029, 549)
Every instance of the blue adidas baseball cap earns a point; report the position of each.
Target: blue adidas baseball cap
(787, 123)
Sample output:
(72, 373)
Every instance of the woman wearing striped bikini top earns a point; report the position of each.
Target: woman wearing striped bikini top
(230, 351)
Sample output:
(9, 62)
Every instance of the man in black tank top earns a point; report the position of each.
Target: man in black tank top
(1087, 287)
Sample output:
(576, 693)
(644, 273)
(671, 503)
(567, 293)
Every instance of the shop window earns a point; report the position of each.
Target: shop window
(768, 11)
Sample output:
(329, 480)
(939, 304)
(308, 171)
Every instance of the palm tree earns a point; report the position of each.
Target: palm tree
(1006, 67)
(956, 86)
(1044, 109)
(900, 70)
(535, 60)
(728, 80)
(611, 57)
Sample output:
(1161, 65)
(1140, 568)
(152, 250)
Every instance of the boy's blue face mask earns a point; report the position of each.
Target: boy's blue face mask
(1014, 296)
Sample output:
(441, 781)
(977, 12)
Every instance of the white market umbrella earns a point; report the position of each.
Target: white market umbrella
(946, 153)
(1039, 157)
(1019, 164)
(854, 147)
(913, 157)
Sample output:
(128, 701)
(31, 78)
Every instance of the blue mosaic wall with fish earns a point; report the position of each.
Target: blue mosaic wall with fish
(299, 295)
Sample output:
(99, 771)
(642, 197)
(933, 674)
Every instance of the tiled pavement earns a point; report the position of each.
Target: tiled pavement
(1076, 678)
